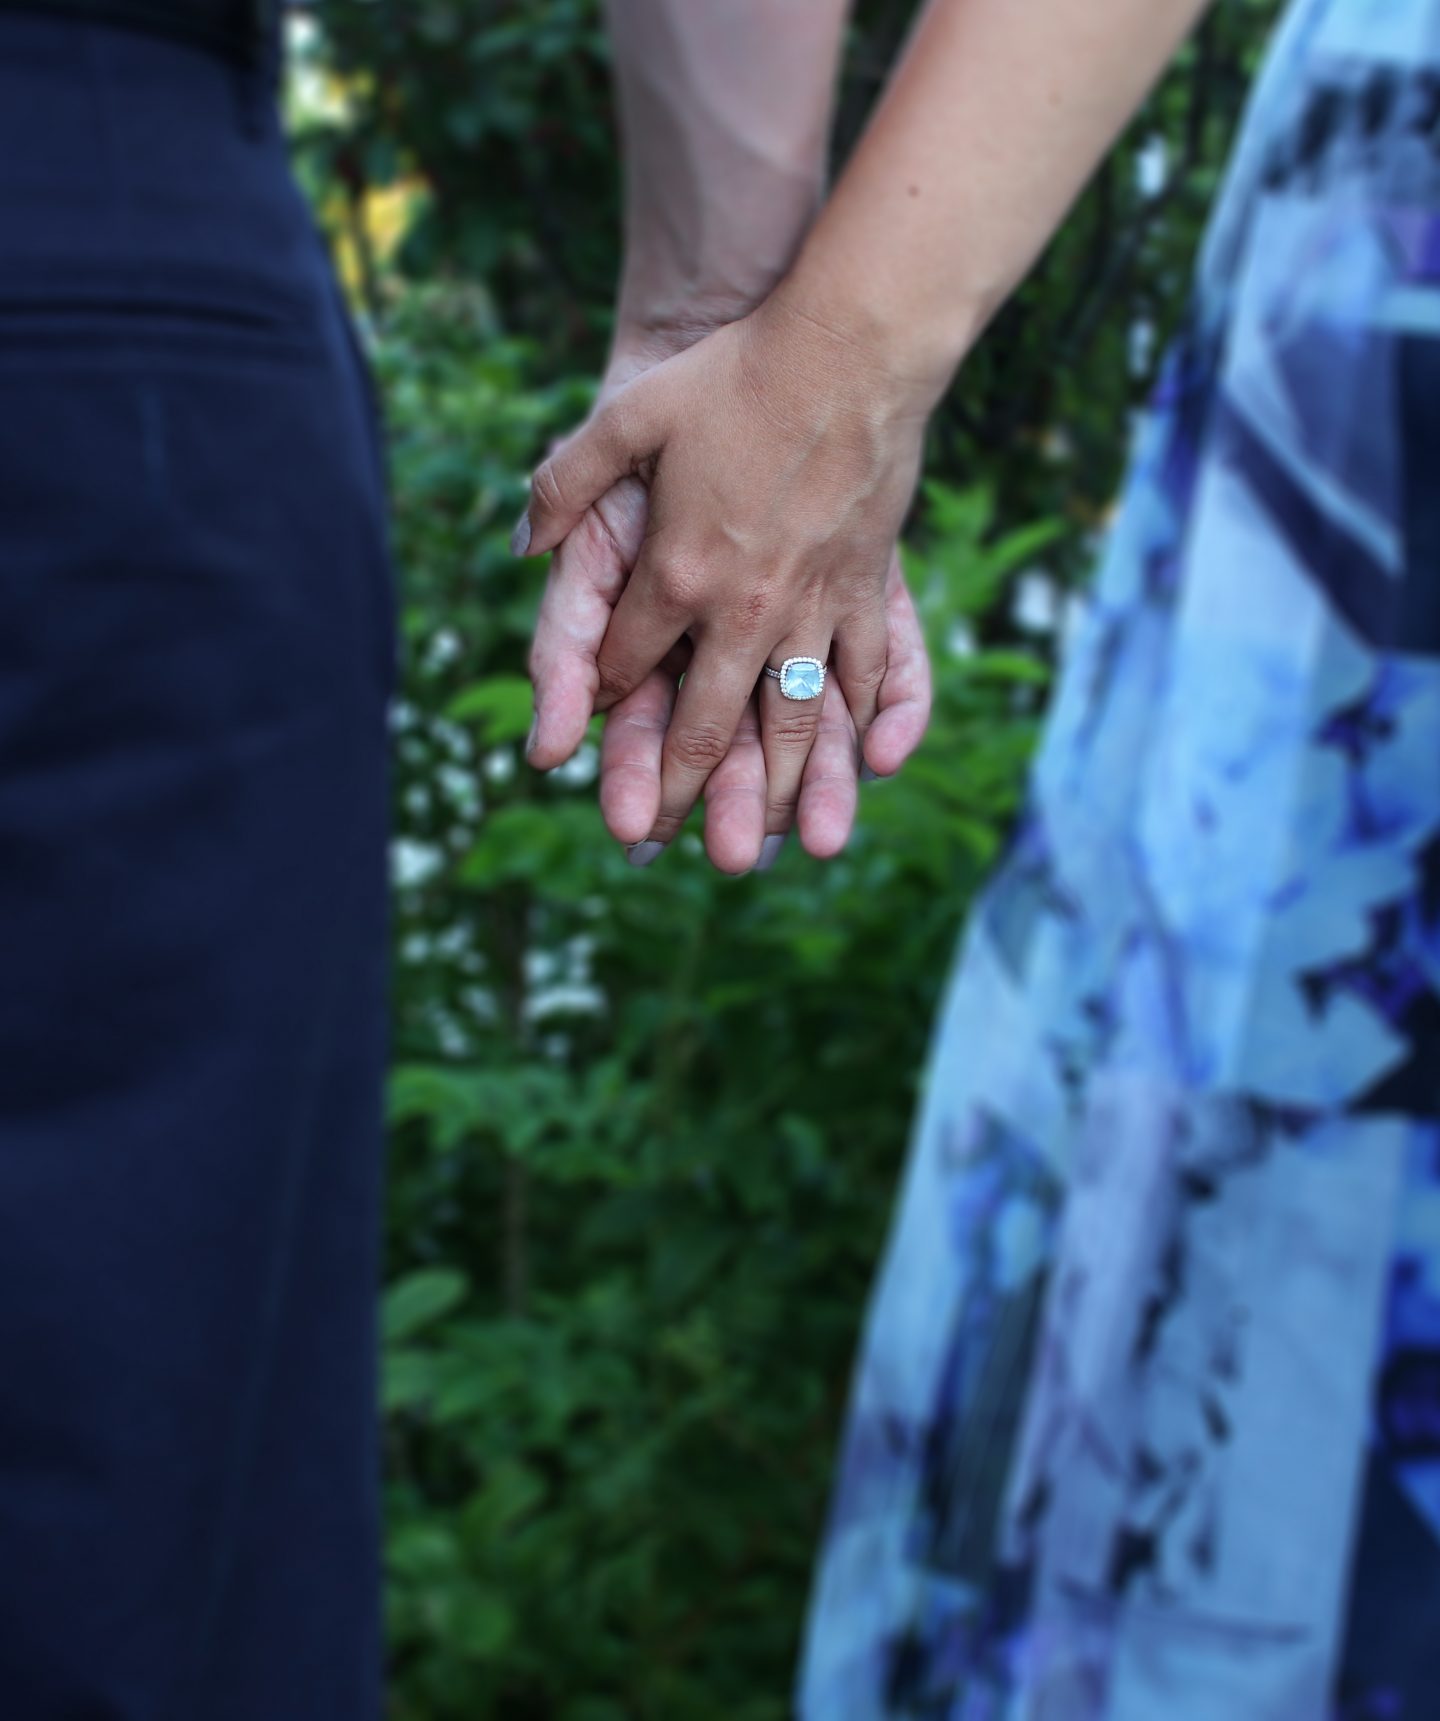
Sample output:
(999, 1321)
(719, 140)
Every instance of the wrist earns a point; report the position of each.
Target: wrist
(907, 352)
(650, 329)
(673, 295)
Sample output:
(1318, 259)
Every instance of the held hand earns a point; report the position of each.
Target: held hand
(589, 570)
(780, 466)
(587, 574)
(741, 830)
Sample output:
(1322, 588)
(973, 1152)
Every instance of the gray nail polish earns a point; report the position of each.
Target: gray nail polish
(867, 775)
(770, 851)
(520, 537)
(641, 854)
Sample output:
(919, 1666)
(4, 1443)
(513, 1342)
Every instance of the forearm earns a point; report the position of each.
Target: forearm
(994, 120)
(725, 107)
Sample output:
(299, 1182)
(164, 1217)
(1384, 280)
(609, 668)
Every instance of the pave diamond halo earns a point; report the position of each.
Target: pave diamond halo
(799, 677)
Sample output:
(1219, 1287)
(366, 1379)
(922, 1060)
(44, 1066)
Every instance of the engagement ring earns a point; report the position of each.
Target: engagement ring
(800, 677)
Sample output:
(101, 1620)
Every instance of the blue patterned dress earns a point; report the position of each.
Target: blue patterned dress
(1146, 1421)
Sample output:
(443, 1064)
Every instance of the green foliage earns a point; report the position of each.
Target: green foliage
(646, 1124)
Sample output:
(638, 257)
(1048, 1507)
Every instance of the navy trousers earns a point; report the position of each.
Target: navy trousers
(196, 652)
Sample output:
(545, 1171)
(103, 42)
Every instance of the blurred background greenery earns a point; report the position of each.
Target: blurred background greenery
(647, 1125)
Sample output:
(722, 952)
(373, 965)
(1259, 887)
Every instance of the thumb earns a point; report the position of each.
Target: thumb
(610, 446)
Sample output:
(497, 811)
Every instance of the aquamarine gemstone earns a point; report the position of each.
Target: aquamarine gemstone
(802, 679)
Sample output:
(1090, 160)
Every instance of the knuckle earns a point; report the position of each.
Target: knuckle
(866, 678)
(698, 747)
(611, 683)
(793, 734)
(678, 584)
(546, 489)
(642, 723)
(843, 779)
(618, 423)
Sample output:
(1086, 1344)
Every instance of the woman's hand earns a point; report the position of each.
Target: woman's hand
(587, 576)
(779, 462)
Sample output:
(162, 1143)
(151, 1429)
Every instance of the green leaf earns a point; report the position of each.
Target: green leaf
(476, 1621)
(420, 1299)
(501, 705)
(409, 1380)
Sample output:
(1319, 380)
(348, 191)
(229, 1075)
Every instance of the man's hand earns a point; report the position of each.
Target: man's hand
(743, 829)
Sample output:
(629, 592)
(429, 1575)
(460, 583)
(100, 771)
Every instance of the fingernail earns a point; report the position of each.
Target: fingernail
(867, 775)
(534, 731)
(641, 854)
(520, 537)
(770, 851)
